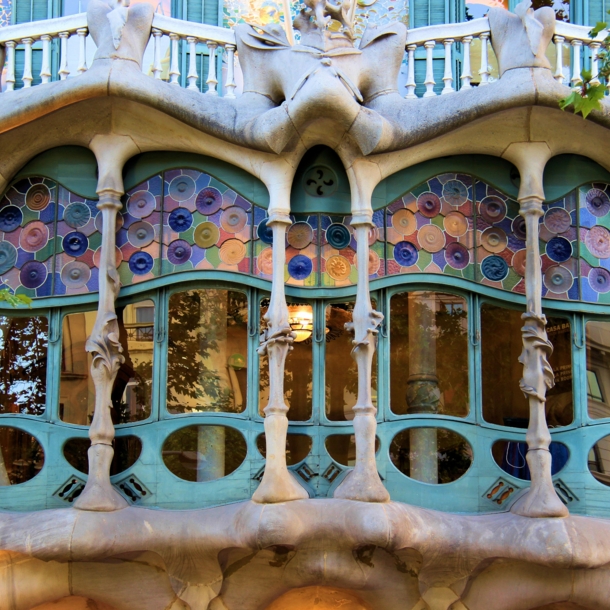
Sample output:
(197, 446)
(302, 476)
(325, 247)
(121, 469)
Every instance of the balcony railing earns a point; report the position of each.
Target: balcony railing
(167, 33)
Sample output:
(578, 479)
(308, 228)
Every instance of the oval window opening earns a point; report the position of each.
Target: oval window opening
(431, 455)
(204, 453)
(127, 450)
(298, 447)
(342, 448)
(21, 456)
(599, 460)
(510, 456)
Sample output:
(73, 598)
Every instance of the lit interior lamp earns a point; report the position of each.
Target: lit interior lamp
(300, 318)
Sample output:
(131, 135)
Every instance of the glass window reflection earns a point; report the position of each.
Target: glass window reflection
(207, 351)
(428, 354)
(131, 392)
(23, 364)
(598, 369)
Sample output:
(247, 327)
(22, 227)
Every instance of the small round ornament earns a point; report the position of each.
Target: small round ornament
(8, 256)
(33, 274)
(599, 279)
(431, 238)
(209, 201)
(75, 243)
(180, 220)
(182, 188)
(518, 262)
(265, 261)
(558, 279)
(338, 236)
(300, 267)
(405, 254)
(232, 252)
(404, 222)
(206, 235)
(141, 204)
(11, 218)
(75, 274)
(141, 263)
(299, 235)
(597, 202)
(38, 197)
(179, 252)
(557, 220)
(265, 234)
(141, 234)
(338, 268)
(455, 192)
(494, 239)
(429, 205)
(494, 268)
(492, 209)
(233, 219)
(518, 227)
(455, 224)
(77, 215)
(559, 249)
(34, 236)
(457, 255)
(597, 241)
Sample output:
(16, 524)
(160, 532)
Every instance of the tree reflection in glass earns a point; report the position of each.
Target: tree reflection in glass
(23, 367)
(598, 369)
(207, 351)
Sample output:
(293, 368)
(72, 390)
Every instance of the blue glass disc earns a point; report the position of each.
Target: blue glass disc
(300, 267)
(75, 243)
(559, 249)
(8, 256)
(10, 218)
(338, 236)
(77, 215)
(405, 253)
(265, 234)
(494, 268)
(140, 263)
(180, 220)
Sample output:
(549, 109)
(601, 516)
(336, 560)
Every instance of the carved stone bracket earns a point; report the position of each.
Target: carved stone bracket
(106, 349)
(363, 483)
(277, 484)
(541, 500)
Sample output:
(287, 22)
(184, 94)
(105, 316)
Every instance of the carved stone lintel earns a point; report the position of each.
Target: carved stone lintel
(541, 500)
(278, 484)
(106, 350)
(363, 483)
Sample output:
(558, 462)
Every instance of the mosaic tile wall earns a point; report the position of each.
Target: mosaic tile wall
(186, 219)
(6, 9)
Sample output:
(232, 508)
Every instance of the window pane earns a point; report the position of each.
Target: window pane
(23, 366)
(21, 456)
(127, 450)
(510, 456)
(207, 351)
(341, 371)
(131, 393)
(298, 384)
(598, 369)
(501, 345)
(428, 354)
(298, 447)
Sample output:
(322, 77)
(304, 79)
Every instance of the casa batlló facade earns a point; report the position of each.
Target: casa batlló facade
(320, 302)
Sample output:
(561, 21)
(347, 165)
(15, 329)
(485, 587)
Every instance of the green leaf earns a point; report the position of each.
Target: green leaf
(584, 104)
(15, 300)
(599, 26)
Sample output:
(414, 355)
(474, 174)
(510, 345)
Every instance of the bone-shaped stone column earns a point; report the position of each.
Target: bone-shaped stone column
(363, 483)
(277, 484)
(99, 495)
(541, 500)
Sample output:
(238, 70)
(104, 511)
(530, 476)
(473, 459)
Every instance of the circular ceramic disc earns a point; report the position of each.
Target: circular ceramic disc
(492, 209)
(338, 236)
(518, 227)
(141, 204)
(8, 256)
(75, 274)
(206, 235)
(34, 237)
(405, 254)
(559, 249)
(179, 252)
(455, 224)
(97, 255)
(38, 196)
(518, 262)
(429, 205)
(300, 267)
(232, 252)
(265, 234)
(299, 235)
(33, 274)
(599, 279)
(209, 201)
(338, 267)
(558, 279)
(265, 261)
(75, 244)
(140, 234)
(77, 215)
(180, 220)
(141, 263)
(455, 192)
(494, 268)
(598, 242)
(494, 239)
(404, 222)
(457, 255)
(431, 238)
(10, 218)
(557, 220)
(181, 188)
(233, 219)
(597, 202)
(373, 235)
(374, 262)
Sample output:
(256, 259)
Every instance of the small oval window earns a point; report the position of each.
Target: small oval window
(342, 448)
(599, 460)
(298, 447)
(21, 456)
(510, 456)
(431, 455)
(204, 453)
(127, 450)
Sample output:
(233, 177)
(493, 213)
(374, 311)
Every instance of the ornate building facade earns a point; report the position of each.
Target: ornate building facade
(320, 302)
